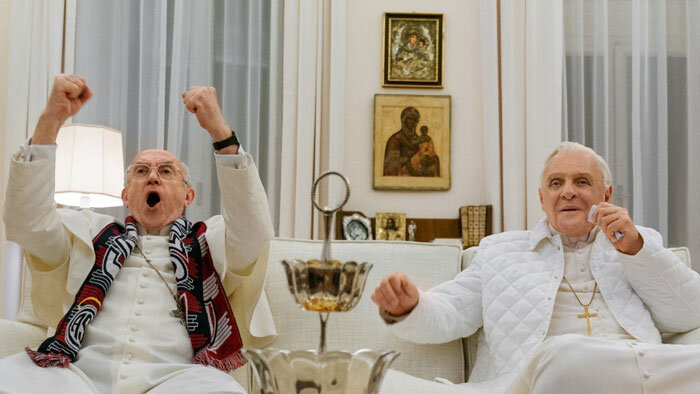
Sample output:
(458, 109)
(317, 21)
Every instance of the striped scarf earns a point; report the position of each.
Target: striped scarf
(209, 320)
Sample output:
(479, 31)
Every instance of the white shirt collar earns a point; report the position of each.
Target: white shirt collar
(140, 230)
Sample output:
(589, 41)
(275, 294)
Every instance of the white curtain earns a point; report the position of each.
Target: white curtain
(531, 49)
(632, 93)
(314, 110)
(35, 57)
(138, 57)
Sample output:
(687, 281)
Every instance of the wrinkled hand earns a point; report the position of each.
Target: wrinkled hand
(396, 294)
(69, 94)
(202, 101)
(612, 218)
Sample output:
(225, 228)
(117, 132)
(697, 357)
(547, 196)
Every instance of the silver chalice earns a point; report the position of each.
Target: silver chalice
(323, 285)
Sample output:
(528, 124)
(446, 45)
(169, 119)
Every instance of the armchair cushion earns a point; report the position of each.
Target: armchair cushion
(16, 335)
(427, 264)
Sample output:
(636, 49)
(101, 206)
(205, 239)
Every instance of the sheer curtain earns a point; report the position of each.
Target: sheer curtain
(531, 43)
(138, 57)
(35, 42)
(631, 92)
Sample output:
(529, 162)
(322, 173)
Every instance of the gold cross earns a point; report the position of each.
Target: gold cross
(588, 318)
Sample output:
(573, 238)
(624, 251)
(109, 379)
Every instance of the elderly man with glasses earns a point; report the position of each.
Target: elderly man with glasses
(154, 302)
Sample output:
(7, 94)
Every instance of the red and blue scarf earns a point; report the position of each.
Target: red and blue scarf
(209, 319)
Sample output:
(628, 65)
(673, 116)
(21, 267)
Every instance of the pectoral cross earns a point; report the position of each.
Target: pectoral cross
(179, 312)
(588, 316)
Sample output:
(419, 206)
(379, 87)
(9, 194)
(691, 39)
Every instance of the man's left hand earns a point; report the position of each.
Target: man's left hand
(612, 218)
(202, 101)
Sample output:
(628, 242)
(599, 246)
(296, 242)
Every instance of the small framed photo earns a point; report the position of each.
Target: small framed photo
(390, 226)
(413, 50)
(357, 227)
(411, 142)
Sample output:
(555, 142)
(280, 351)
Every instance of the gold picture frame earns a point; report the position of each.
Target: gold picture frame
(412, 50)
(390, 226)
(411, 142)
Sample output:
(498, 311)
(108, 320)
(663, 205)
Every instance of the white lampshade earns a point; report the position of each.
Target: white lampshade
(89, 166)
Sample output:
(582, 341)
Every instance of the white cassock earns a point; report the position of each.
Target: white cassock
(134, 345)
(570, 361)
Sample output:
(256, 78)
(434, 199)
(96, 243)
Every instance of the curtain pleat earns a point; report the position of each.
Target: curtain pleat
(140, 56)
(628, 94)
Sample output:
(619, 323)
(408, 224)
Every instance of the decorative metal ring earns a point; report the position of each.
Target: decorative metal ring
(315, 186)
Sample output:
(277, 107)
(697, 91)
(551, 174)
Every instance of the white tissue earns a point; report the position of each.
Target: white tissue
(591, 213)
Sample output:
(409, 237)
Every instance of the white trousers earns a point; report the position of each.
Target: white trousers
(19, 375)
(576, 364)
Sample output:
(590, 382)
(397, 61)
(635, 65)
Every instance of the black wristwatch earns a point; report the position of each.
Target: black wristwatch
(232, 140)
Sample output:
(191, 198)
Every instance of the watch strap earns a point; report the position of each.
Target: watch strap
(232, 140)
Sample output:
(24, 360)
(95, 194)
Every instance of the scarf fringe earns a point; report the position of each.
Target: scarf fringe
(227, 364)
(45, 360)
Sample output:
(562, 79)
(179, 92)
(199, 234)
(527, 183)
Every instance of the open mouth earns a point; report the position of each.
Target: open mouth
(152, 199)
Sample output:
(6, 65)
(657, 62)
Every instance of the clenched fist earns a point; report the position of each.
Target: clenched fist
(202, 101)
(396, 294)
(69, 94)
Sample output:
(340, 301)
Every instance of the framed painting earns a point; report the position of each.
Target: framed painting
(411, 142)
(413, 50)
(390, 226)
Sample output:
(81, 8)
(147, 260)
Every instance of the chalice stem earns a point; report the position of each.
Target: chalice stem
(323, 317)
(327, 222)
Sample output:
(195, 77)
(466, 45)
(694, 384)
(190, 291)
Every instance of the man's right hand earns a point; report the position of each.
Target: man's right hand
(396, 294)
(69, 94)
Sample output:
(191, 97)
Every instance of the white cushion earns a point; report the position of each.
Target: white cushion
(16, 335)
(427, 264)
(396, 382)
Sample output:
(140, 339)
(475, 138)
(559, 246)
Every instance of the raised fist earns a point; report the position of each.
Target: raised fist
(396, 294)
(69, 94)
(202, 101)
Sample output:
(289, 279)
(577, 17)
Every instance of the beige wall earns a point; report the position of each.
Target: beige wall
(462, 81)
(5, 11)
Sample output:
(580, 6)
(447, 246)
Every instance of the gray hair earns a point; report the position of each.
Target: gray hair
(568, 146)
(185, 175)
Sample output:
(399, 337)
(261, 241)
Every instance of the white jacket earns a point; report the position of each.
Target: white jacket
(238, 241)
(512, 283)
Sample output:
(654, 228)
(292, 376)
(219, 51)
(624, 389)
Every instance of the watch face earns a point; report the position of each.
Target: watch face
(356, 230)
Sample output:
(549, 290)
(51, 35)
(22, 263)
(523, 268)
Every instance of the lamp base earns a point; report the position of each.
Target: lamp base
(85, 201)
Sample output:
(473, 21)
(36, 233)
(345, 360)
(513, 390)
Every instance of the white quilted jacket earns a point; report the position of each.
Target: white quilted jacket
(510, 289)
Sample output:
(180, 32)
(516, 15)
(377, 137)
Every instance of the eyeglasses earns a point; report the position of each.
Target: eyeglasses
(166, 171)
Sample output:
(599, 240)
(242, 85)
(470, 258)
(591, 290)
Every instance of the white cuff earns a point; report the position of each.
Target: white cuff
(238, 161)
(35, 152)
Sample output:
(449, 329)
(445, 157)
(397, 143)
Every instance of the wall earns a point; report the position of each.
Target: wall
(5, 11)
(462, 81)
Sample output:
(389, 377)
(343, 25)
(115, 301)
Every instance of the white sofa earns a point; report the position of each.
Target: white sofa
(427, 264)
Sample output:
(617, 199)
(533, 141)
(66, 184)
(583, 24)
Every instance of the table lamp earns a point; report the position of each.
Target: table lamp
(89, 166)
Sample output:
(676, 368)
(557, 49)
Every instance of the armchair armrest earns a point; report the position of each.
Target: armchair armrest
(16, 335)
(691, 337)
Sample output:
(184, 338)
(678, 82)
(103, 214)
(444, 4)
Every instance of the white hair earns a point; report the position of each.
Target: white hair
(568, 146)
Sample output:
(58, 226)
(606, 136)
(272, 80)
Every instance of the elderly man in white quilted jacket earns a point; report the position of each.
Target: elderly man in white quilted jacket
(573, 306)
